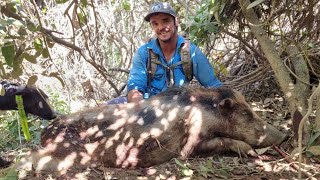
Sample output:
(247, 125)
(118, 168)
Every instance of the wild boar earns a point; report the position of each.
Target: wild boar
(181, 122)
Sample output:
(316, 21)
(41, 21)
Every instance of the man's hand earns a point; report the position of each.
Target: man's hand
(134, 96)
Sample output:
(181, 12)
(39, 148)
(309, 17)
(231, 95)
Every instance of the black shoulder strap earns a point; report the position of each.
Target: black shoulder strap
(186, 59)
(152, 65)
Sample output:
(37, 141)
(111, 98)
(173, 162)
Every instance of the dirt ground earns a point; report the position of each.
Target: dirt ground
(268, 166)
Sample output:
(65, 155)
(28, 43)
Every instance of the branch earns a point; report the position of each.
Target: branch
(186, 6)
(255, 52)
(292, 163)
(268, 48)
(304, 119)
(83, 53)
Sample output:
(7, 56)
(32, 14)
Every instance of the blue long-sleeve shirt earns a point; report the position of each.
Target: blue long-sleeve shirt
(138, 77)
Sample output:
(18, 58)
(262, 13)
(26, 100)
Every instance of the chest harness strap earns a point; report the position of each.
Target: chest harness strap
(153, 62)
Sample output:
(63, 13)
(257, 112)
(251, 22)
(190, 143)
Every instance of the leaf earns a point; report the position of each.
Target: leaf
(84, 3)
(313, 138)
(2, 91)
(262, 150)
(23, 117)
(37, 43)
(186, 172)
(56, 75)
(315, 150)
(254, 3)
(45, 53)
(61, 1)
(10, 174)
(17, 71)
(32, 80)
(223, 173)
(8, 52)
(126, 6)
(32, 27)
(30, 58)
(82, 18)
(180, 164)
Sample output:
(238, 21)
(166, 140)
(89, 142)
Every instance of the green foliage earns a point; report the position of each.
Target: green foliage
(8, 52)
(58, 103)
(9, 124)
(20, 39)
(84, 3)
(184, 169)
(126, 6)
(255, 3)
(61, 1)
(9, 174)
(206, 170)
(313, 148)
(208, 19)
(23, 118)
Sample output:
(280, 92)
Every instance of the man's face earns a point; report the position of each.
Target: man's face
(164, 26)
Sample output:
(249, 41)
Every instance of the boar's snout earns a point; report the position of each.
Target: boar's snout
(272, 136)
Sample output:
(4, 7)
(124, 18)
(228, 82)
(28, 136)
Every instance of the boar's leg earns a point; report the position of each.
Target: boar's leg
(222, 144)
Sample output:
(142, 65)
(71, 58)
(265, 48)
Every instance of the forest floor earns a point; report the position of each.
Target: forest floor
(271, 164)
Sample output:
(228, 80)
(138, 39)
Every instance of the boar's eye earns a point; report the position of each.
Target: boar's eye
(247, 113)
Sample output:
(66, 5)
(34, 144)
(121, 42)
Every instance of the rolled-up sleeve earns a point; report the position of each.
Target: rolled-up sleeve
(138, 73)
(202, 69)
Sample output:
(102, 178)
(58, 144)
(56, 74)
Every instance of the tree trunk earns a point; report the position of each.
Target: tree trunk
(296, 93)
(318, 111)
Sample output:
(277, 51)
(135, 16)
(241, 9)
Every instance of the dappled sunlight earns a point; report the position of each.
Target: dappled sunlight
(155, 103)
(156, 132)
(89, 132)
(187, 108)
(261, 139)
(165, 122)
(122, 150)
(42, 162)
(98, 134)
(66, 145)
(67, 162)
(85, 158)
(118, 124)
(146, 133)
(91, 147)
(115, 138)
(173, 114)
(140, 121)
(132, 119)
(158, 112)
(192, 98)
(195, 126)
(100, 116)
(60, 137)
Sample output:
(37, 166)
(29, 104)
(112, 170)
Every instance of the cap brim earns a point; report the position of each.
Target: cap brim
(147, 18)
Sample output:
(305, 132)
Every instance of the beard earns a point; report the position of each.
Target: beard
(167, 36)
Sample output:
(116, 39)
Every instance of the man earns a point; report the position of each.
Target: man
(166, 46)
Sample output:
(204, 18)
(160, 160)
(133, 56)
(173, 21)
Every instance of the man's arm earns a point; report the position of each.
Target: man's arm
(203, 70)
(134, 96)
(137, 80)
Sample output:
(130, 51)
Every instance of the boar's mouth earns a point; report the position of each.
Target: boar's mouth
(272, 136)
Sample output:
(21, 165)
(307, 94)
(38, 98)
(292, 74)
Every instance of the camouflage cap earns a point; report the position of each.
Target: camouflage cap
(160, 7)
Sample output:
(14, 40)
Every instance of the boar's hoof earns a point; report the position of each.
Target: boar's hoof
(243, 148)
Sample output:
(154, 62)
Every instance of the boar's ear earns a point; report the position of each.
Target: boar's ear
(226, 103)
